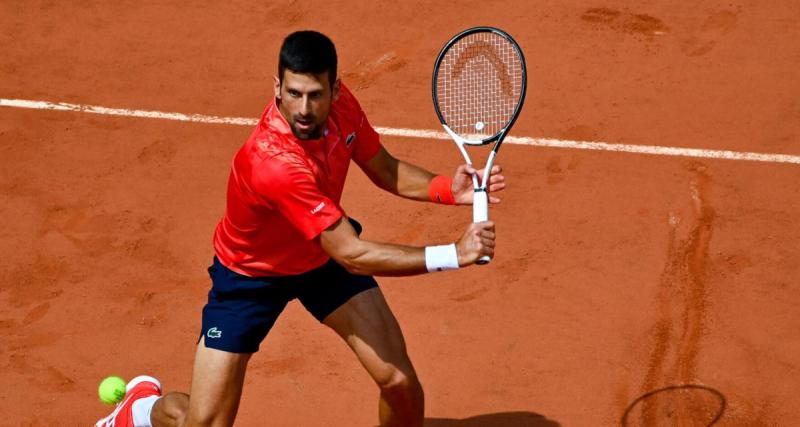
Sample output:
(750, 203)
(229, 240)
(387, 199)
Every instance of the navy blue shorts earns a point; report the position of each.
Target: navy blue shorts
(241, 309)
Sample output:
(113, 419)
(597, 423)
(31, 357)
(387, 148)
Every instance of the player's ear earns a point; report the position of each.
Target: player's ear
(335, 89)
(276, 86)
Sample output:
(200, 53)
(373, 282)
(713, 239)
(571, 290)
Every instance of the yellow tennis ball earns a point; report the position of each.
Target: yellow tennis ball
(111, 390)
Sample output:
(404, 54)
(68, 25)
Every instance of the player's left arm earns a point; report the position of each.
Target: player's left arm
(413, 182)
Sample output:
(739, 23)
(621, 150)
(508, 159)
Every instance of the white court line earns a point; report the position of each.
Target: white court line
(417, 133)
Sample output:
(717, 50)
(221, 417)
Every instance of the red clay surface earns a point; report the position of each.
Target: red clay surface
(616, 274)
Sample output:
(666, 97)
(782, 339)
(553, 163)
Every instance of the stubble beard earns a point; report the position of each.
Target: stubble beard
(314, 133)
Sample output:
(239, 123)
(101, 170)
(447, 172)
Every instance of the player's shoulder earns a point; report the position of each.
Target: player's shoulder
(346, 103)
(345, 94)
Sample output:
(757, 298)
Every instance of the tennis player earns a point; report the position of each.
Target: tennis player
(284, 235)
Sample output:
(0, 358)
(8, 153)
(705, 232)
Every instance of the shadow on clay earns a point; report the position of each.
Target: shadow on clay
(501, 419)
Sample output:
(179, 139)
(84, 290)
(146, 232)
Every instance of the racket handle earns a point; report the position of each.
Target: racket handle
(480, 206)
(480, 213)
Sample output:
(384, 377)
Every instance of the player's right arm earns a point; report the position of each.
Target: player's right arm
(290, 187)
(341, 242)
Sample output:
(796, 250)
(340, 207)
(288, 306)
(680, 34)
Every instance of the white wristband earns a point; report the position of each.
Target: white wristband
(440, 258)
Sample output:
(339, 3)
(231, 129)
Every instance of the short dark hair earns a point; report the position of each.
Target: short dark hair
(308, 52)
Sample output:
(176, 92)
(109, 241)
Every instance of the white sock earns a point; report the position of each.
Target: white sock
(141, 411)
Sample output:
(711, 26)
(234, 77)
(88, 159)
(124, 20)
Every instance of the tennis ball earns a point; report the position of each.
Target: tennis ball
(111, 390)
(479, 126)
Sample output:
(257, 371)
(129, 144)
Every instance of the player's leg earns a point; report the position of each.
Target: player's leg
(354, 307)
(217, 382)
(368, 326)
(240, 312)
(216, 388)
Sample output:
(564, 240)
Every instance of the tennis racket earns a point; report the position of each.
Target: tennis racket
(479, 83)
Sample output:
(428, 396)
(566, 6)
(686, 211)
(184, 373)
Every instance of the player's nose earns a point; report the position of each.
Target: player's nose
(305, 106)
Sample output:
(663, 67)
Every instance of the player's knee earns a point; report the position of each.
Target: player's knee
(170, 410)
(400, 384)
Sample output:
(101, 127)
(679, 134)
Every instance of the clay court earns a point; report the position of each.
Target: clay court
(628, 289)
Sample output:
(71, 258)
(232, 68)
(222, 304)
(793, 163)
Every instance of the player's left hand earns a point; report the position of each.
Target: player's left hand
(463, 190)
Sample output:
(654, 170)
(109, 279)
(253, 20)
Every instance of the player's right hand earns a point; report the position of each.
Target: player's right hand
(476, 242)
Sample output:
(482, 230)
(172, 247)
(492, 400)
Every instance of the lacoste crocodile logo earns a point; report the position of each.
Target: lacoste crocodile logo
(214, 333)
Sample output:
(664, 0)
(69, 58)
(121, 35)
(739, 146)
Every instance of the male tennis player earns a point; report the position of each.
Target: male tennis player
(284, 235)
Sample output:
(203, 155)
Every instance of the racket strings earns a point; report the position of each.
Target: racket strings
(479, 84)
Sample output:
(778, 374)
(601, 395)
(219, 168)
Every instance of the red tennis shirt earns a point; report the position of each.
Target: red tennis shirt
(283, 192)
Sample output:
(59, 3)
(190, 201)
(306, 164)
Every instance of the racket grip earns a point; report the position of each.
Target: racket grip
(480, 206)
(480, 213)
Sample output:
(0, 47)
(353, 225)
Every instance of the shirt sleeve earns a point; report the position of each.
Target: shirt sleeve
(291, 189)
(367, 141)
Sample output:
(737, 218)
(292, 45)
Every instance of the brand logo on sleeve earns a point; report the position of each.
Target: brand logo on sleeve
(318, 207)
(214, 333)
(350, 138)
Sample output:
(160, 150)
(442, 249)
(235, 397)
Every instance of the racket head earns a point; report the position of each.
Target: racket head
(479, 84)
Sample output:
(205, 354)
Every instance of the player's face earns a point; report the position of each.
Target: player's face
(305, 101)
